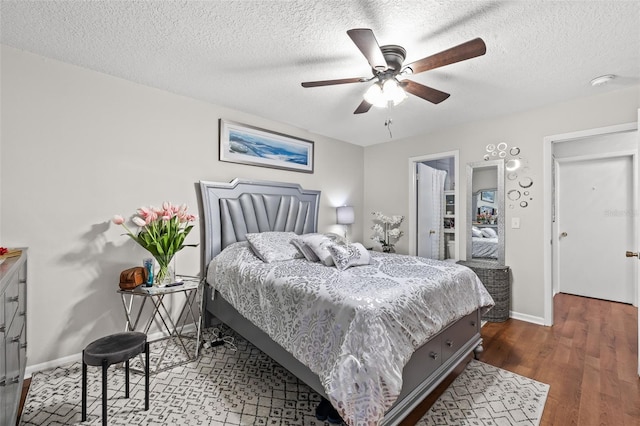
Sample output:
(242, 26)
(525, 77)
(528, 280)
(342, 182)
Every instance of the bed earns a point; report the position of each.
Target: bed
(484, 247)
(484, 242)
(230, 211)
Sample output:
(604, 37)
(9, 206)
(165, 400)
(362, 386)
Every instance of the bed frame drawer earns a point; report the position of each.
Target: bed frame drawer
(458, 334)
(431, 355)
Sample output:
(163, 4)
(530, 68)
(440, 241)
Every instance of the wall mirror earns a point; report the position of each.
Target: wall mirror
(485, 212)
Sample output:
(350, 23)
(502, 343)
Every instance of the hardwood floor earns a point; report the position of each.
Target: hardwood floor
(589, 357)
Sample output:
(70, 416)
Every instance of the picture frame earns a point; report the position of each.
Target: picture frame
(488, 196)
(486, 210)
(243, 144)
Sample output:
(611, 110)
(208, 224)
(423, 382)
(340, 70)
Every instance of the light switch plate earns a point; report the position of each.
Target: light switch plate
(515, 223)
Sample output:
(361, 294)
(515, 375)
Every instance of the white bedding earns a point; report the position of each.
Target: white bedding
(484, 247)
(355, 329)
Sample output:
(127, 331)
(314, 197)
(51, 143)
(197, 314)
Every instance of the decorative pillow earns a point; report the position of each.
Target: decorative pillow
(338, 239)
(274, 246)
(319, 244)
(345, 256)
(476, 232)
(489, 233)
(304, 248)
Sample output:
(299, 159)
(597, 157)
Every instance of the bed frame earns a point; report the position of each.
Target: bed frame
(228, 211)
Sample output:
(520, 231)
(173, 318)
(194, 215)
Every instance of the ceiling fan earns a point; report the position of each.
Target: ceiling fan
(387, 67)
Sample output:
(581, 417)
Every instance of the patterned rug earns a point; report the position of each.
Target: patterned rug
(226, 386)
(486, 395)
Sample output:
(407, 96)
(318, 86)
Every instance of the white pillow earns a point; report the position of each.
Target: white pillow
(476, 232)
(274, 246)
(345, 256)
(319, 244)
(338, 239)
(489, 233)
(304, 248)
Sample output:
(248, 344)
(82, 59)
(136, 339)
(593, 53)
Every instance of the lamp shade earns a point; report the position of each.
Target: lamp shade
(345, 215)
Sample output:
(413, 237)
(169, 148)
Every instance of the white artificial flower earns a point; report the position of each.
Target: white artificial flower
(396, 220)
(395, 233)
(385, 228)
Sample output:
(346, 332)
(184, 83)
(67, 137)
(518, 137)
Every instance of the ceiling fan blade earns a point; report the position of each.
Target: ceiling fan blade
(363, 107)
(332, 82)
(368, 45)
(461, 52)
(425, 92)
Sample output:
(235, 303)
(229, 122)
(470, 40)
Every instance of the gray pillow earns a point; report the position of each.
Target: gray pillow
(304, 248)
(274, 246)
(319, 244)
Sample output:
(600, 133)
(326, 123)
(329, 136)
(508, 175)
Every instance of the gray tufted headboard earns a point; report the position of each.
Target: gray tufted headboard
(228, 211)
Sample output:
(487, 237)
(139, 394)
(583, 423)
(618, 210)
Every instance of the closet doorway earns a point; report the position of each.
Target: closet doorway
(433, 218)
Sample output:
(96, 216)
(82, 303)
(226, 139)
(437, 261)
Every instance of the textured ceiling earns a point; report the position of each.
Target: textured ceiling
(253, 55)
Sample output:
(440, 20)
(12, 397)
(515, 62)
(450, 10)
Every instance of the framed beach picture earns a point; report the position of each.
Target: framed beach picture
(243, 144)
(488, 196)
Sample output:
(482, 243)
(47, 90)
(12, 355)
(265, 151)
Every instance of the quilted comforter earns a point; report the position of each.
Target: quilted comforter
(356, 329)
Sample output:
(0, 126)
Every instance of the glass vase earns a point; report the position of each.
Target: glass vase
(166, 273)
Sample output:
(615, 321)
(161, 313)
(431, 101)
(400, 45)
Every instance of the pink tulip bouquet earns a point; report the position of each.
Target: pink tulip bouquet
(162, 233)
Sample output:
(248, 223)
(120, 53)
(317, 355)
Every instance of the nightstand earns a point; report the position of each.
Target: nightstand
(174, 330)
(497, 281)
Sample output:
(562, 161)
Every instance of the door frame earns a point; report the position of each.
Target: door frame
(548, 202)
(634, 190)
(413, 197)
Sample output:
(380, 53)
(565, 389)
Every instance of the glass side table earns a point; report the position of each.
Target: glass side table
(185, 345)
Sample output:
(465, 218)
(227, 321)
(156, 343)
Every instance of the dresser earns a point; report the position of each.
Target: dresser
(13, 334)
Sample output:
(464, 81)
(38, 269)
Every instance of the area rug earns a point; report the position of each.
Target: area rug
(237, 384)
(486, 395)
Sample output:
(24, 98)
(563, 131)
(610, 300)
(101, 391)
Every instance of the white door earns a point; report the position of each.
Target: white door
(427, 228)
(429, 223)
(595, 227)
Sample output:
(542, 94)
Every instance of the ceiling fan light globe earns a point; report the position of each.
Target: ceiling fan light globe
(374, 95)
(386, 94)
(392, 91)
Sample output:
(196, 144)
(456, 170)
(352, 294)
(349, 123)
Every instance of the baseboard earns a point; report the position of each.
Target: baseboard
(526, 317)
(51, 364)
(78, 356)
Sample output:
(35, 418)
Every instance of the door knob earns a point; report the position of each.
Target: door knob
(564, 234)
(631, 254)
(432, 232)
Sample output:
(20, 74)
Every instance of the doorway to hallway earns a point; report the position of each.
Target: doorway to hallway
(434, 208)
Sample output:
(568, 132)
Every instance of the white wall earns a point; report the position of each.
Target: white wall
(388, 192)
(593, 145)
(78, 147)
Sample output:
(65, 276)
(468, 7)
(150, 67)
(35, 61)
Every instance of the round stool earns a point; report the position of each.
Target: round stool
(113, 349)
